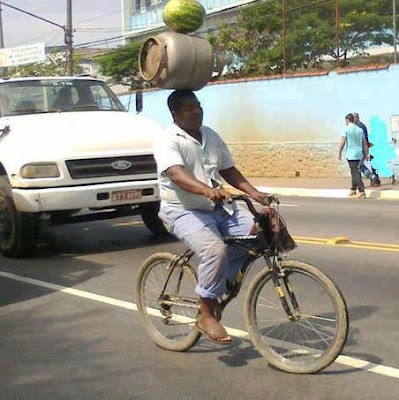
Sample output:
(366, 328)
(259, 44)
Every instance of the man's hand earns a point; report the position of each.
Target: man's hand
(261, 198)
(218, 195)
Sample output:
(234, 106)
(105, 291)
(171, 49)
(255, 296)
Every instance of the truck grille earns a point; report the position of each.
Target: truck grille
(111, 166)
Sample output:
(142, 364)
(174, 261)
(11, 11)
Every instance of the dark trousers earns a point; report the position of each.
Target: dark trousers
(376, 177)
(357, 182)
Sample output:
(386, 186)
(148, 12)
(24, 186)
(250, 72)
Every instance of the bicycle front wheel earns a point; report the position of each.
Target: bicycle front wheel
(310, 334)
(167, 303)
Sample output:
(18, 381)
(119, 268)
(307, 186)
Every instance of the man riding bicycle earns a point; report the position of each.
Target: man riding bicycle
(192, 159)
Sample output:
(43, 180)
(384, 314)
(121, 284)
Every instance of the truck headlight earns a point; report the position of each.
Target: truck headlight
(40, 170)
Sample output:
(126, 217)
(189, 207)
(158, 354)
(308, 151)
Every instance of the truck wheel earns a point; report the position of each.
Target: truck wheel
(149, 214)
(17, 229)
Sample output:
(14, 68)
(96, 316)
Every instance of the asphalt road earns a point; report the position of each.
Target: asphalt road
(60, 344)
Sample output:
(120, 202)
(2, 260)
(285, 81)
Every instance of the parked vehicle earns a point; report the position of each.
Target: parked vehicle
(69, 150)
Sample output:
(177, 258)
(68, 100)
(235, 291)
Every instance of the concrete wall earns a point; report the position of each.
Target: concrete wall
(292, 126)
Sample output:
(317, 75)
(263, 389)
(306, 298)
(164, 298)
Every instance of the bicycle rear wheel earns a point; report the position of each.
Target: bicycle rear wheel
(167, 303)
(313, 336)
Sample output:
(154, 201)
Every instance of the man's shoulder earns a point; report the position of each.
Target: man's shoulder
(210, 133)
(359, 128)
(173, 132)
(208, 130)
(352, 128)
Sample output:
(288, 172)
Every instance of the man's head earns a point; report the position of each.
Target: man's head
(349, 119)
(186, 110)
(356, 117)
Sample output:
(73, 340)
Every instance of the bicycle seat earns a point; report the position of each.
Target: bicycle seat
(246, 238)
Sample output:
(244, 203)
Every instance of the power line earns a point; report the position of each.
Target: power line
(112, 39)
(233, 23)
(98, 17)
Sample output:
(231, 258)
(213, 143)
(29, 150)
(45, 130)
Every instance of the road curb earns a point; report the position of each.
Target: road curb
(328, 193)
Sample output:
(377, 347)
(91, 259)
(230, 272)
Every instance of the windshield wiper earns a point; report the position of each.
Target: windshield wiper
(4, 132)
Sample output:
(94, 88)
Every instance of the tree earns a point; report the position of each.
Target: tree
(122, 65)
(254, 42)
(53, 65)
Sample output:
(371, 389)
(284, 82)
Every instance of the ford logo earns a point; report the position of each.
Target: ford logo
(121, 165)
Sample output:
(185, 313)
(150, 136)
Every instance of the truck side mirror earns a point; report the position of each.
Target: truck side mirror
(139, 101)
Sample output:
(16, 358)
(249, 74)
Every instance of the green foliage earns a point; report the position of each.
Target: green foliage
(254, 42)
(122, 65)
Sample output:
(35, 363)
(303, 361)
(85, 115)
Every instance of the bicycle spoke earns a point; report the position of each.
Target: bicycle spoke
(168, 304)
(306, 338)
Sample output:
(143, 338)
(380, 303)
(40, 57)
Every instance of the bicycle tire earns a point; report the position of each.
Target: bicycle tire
(177, 331)
(320, 336)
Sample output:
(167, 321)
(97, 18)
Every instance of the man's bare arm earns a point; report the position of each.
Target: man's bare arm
(234, 178)
(341, 147)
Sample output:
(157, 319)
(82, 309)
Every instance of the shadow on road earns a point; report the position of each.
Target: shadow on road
(97, 237)
(65, 271)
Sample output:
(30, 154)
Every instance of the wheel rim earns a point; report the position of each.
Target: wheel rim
(302, 339)
(171, 322)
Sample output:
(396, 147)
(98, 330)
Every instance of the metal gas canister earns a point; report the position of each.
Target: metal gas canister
(177, 61)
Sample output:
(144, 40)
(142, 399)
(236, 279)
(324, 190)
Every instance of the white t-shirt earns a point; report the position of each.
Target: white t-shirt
(204, 161)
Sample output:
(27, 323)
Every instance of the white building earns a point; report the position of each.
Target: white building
(143, 17)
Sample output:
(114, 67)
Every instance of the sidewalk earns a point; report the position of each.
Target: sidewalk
(324, 187)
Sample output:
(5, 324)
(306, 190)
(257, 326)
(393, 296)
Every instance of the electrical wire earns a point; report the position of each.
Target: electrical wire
(288, 10)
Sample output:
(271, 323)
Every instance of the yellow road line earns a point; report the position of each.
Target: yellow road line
(343, 241)
(131, 223)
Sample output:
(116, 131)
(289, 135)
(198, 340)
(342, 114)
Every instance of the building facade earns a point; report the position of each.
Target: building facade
(143, 17)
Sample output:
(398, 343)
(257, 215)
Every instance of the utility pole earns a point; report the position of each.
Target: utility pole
(337, 29)
(395, 52)
(284, 37)
(68, 31)
(69, 40)
(1, 27)
(3, 70)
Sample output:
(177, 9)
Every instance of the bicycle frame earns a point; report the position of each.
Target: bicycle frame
(255, 246)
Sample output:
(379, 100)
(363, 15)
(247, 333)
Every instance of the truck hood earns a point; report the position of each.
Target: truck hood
(79, 134)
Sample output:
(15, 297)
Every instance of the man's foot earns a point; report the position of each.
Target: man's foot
(375, 183)
(362, 195)
(212, 328)
(208, 323)
(352, 193)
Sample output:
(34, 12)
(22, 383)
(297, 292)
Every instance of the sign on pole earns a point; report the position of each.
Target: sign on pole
(14, 56)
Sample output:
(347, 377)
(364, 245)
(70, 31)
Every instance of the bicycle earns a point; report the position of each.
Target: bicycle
(295, 314)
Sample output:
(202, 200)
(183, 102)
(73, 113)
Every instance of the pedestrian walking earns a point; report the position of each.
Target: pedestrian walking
(375, 179)
(356, 148)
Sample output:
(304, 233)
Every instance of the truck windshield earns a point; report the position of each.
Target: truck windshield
(58, 95)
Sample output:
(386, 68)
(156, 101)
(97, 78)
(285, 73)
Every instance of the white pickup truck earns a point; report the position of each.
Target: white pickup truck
(69, 147)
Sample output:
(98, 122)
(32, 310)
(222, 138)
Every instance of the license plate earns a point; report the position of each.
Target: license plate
(123, 195)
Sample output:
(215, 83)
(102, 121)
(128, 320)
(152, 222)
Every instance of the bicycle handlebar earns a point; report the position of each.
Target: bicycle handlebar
(247, 200)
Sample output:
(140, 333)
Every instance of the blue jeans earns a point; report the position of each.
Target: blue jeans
(203, 232)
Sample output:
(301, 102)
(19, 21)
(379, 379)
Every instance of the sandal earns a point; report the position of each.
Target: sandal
(216, 334)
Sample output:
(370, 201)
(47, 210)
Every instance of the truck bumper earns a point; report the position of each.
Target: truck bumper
(107, 195)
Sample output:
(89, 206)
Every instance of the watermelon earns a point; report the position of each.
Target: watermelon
(183, 16)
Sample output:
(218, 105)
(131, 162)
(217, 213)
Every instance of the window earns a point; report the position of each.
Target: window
(56, 95)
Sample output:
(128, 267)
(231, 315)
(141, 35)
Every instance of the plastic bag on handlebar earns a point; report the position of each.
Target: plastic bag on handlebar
(275, 230)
